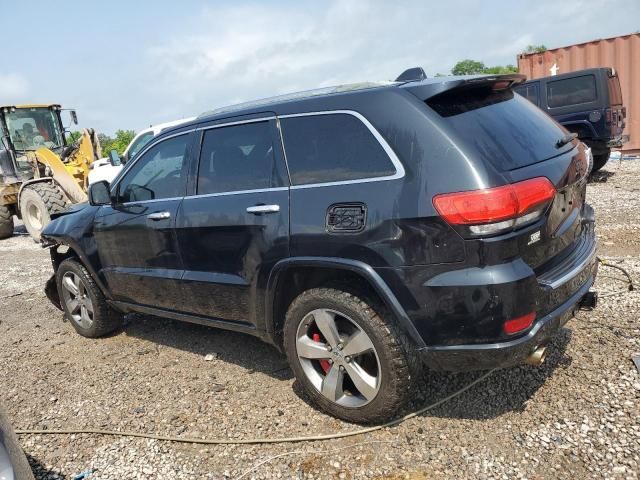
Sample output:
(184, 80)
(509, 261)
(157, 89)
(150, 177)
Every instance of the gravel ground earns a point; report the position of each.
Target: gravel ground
(575, 417)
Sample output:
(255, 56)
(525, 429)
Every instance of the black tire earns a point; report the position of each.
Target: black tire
(600, 160)
(38, 202)
(399, 364)
(105, 319)
(6, 222)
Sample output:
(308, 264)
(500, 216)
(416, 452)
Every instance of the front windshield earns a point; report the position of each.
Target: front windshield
(33, 128)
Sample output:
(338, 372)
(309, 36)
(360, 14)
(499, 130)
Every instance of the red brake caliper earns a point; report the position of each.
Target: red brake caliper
(324, 364)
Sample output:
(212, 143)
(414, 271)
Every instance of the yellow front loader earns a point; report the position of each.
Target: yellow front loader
(40, 173)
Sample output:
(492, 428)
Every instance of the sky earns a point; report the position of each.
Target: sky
(130, 64)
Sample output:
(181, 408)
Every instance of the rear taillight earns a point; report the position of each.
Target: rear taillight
(496, 210)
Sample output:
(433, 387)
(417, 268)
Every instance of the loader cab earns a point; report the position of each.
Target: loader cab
(30, 127)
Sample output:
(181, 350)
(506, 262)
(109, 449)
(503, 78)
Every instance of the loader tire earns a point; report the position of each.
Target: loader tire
(38, 202)
(6, 222)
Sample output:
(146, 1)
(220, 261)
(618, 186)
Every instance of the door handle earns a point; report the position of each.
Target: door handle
(159, 216)
(258, 209)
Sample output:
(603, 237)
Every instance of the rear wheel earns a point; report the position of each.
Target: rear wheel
(83, 303)
(600, 159)
(6, 222)
(350, 357)
(38, 202)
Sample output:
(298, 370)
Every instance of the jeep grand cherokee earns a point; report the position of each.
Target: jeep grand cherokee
(364, 230)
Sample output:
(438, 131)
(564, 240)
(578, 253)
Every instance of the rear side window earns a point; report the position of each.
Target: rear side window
(237, 158)
(571, 91)
(499, 127)
(529, 91)
(332, 148)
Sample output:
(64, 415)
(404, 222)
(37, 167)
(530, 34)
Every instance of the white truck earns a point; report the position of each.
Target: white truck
(102, 169)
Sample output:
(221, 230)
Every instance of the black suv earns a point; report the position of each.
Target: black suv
(586, 102)
(364, 230)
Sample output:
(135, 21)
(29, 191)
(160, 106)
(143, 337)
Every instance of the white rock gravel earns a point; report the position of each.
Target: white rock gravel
(575, 417)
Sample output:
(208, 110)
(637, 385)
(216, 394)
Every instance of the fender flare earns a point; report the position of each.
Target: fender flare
(80, 255)
(581, 123)
(31, 182)
(363, 269)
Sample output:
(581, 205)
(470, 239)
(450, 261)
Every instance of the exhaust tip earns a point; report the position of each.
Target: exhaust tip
(537, 357)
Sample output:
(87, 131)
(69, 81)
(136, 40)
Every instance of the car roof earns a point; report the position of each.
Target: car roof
(575, 73)
(423, 88)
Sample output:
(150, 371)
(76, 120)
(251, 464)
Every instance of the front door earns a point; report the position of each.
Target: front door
(136, 240)
(235, 226)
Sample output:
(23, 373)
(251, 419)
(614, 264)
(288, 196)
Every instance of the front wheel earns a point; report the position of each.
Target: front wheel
(38, 202)
(83, 303)
(349, 355)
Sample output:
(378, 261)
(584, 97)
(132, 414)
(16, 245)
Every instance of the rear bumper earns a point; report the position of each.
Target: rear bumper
(508, 353)
(618, 142)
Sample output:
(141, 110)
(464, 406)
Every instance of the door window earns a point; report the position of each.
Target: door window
(158, 174)
(237, 158)
(332, 148)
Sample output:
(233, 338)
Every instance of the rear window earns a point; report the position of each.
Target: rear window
(571, 91)
(332, 148)
(498, 126)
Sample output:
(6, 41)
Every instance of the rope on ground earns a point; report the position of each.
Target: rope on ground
(630, 286)
(245, 441)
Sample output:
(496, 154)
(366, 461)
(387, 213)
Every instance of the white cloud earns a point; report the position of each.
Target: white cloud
(201, 59)
(244, 52)
(13, 88)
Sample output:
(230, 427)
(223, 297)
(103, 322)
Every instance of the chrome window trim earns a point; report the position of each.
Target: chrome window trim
(239, 122)
(154, 200)
(140, 154)
(400, 172)
(238, 192)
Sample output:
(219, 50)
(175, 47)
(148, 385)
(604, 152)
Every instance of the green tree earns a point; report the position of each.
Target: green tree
(468, 67)
(74, 136)
(535, 49)
(501, 69)
(119, 143)
(474, 67)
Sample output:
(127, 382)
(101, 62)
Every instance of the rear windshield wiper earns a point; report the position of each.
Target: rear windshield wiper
(566, 139)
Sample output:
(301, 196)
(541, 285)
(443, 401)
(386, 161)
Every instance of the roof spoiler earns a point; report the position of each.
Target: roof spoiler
(414, 74)
(426, 90)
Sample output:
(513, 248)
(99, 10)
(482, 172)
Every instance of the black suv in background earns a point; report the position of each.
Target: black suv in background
(364, 230)
(586, 102)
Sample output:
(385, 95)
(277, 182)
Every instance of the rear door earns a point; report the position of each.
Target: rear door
(235, 224)
(136, 242)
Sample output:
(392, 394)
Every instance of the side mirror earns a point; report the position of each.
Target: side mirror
(114, 158)
(74, 117)
(99, 193)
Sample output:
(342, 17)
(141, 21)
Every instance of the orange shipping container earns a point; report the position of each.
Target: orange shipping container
(621, 53)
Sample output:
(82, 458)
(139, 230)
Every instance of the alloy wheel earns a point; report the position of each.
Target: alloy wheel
(338, 358)
(77, 299)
